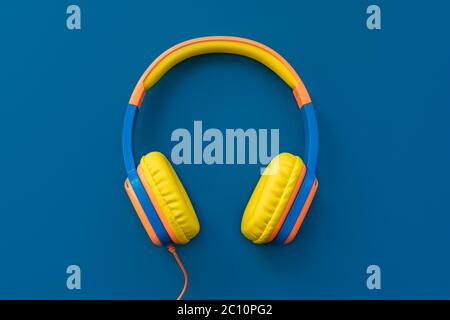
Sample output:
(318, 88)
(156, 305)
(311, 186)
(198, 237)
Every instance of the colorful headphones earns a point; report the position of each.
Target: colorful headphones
(283, 194)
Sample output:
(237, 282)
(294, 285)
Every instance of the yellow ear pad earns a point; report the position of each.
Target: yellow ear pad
(169, 198)
(272, 198)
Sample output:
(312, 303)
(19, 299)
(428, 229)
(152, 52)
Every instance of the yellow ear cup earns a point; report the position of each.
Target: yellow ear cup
(169, 198)
(272, 198)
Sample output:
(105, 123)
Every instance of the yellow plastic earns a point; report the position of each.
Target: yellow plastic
(220, 46)
(270, 197)
(171, 197)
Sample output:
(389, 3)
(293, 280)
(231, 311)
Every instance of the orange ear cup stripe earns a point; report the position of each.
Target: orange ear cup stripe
(288, 205)
(141, 214)
(303, 213)
(156, 205)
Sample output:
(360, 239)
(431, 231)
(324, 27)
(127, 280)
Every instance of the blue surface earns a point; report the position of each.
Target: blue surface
(382, 106)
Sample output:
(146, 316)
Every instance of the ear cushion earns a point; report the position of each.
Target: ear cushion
(169, 197)
(272, 198)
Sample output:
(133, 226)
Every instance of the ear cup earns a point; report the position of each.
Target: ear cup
(272, 198)
(169, 197)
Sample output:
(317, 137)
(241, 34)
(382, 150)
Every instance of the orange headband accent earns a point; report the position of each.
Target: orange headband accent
(301, 94)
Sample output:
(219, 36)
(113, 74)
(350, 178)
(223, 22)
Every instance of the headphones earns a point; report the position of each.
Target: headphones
(283, 194)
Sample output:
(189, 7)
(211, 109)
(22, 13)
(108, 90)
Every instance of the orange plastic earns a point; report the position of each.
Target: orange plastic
(303, 213)
(138, 94)
(140, 212)
(156, 205)
(172, 250)
(301, 96)
(300, 91)
(288, 205)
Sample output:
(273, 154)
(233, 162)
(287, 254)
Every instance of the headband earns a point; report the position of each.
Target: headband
(230, 45)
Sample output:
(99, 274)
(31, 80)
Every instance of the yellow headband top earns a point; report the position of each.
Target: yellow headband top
(230, 45)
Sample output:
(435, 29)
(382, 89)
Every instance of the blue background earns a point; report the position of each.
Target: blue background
(382, 104)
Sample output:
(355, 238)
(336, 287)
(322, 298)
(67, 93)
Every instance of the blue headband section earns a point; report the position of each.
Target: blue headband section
(311, 137)
(130, 165)
(311, 149)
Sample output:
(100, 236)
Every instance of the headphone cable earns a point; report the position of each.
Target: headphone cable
(172, 250)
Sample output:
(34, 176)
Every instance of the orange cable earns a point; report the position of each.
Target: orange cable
(171, 249)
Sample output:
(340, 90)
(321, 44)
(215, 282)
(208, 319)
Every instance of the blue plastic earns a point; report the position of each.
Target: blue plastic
(312, 150)
(139, 190)
(296, 208)
(311, 136)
